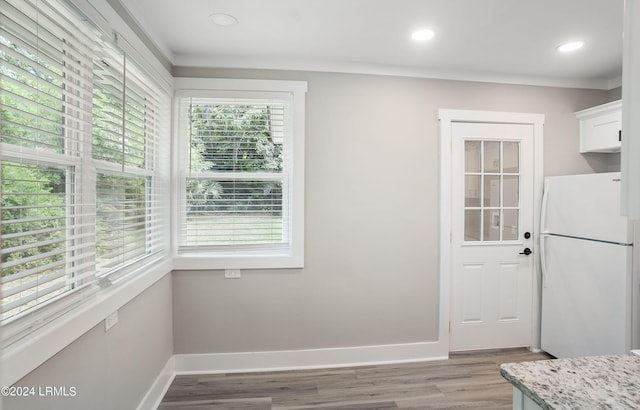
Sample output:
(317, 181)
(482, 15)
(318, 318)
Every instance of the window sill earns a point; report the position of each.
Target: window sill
(194, 261)
(25, 355)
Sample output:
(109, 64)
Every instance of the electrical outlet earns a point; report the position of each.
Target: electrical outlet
(110, 321)
(232, 273)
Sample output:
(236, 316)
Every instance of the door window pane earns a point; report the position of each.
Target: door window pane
(510, 225)
(491, 156)
(511, 190)
(511, 156)
(472, 224)
(472, 150)
(472, 190)
(491, 190)
(491, 225)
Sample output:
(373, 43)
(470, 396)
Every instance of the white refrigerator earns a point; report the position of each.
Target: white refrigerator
(586, 258)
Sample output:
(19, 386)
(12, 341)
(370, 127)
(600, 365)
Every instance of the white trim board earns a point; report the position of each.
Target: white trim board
(160, 386)
(446, 118)
(307, 359)
(242, 362)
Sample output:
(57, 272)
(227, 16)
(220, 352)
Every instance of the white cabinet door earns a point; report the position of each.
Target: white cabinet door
(523, 402)
(601, 128)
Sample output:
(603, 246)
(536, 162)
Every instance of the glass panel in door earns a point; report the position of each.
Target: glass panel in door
(492, 190)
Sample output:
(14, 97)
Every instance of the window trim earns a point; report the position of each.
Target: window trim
(292, 257)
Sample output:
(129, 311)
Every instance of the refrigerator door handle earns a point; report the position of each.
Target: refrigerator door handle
(543, 207)
(543, 259)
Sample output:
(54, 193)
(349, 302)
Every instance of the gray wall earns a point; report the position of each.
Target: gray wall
(615, 94)
(372, 177)
(111, 370)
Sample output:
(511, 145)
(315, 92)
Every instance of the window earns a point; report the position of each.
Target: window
(80, 137)
(45, 67)
(41, 253)
(241, 175)
(128, 114)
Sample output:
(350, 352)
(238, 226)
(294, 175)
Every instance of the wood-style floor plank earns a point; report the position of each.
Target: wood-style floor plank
(233, 404)
(465, 381)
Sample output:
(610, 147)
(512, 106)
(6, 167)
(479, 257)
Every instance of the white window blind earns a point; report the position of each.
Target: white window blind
(129, 114)
(47, 236)
(83, 131)
(122, 221)
(237, 184)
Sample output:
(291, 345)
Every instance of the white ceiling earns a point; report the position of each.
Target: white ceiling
(511, 41)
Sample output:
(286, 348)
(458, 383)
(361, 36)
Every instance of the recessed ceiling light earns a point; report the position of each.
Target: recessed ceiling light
(224, 20)
(422, 35)
(571, 46)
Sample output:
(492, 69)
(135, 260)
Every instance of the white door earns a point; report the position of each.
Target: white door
(491, 235)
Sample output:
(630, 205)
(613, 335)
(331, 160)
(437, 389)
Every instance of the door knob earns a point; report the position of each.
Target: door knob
(526, 251)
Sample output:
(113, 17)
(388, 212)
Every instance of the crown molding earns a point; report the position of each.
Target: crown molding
(194, 61)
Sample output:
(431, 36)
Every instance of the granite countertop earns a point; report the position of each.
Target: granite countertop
(598, 382)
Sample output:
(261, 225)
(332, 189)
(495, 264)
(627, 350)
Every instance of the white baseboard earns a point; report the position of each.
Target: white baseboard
(159, 388)
(307, 359)
(216, 363)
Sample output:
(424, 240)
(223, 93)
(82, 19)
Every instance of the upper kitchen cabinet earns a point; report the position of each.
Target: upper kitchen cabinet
(601, 128)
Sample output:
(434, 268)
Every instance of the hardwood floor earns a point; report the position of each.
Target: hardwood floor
(465, 381)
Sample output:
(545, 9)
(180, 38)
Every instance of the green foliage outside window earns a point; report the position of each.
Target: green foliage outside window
(33, 211)
(237, 138)
(233, 138)
(31, 103)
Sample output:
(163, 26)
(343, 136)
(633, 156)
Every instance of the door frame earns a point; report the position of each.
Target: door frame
(446, 117)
